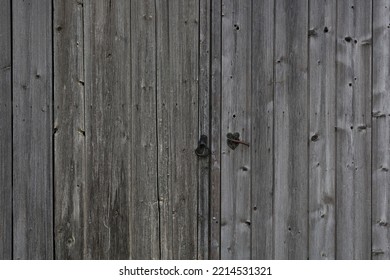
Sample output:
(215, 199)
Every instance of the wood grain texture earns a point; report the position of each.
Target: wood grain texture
(236, 117)
(322, 113)
(69, 129)
(353, 142)
(215, 134)
(5, 132)
(380, 131)
(204, 128)
(108, 130)
(291, 130)
(32, 130)
(177, 99)
(262, 110)
(144, 208)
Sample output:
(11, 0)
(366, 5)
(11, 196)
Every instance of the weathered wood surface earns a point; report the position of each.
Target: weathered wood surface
(215, 130)
(236, 117)
(322, 113)
(291, 130)
(144, 207)
(177, 121)
(5, 132)
(204, 128)
(380, 131)
(32, 130)
(353, 129)
(112, 96)
(262, 114)
(69, 125)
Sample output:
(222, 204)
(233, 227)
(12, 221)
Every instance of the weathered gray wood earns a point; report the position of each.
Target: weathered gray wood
(291, 130)
(69, 127)
(32, 130)
(236, 117)
(5, 132)
(215, 122)
(144, 208)
(322, 149)
(353, 135)
(262, 128)
(381, 131)
(108, 130)
(177, 99)
(204, 128)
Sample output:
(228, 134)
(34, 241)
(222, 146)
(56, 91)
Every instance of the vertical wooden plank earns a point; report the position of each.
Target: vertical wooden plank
(262, 109)
(5, 132)
(322, 114)
(236, 117)
(215, 136)
(177, 99)
(381, 131)
(353, 135)
(107, 130)
(32, 127)
(291, 130)
(204, 128)
(69, 129)
(144, 212)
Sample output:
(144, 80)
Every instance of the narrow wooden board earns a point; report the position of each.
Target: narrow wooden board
(5, 131)
(381, 131)
(322, 113)
(353, 142)
(177, 99)
(291, 130)
(204, 128)
(215, 130)
(32, 130)
(236, 117)
(108, 130)
(144, 207)
(69, 129)
(262, 110)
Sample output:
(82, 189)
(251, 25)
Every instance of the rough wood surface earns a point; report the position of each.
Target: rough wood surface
(108, 124)
(262, 110)
(291, 130)
(353, 134)
(381, 131)
(144, 207)
(322, 113)
(69, 139)
(32, 130)
(204, 128)
(5, 132)
(236, 117)
(215, 130)
(177, 101)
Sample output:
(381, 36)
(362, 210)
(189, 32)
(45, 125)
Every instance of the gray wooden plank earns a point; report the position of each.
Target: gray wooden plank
(262, 128)
(353, 135)
(204, 128)
(69, 139)
(108, 130)
(322, 149)
(5, 132)
(291, 130)
(32, 129)
(215, 136)
(177, 99)
(144, 211)
(236, 117)
(380, 131)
